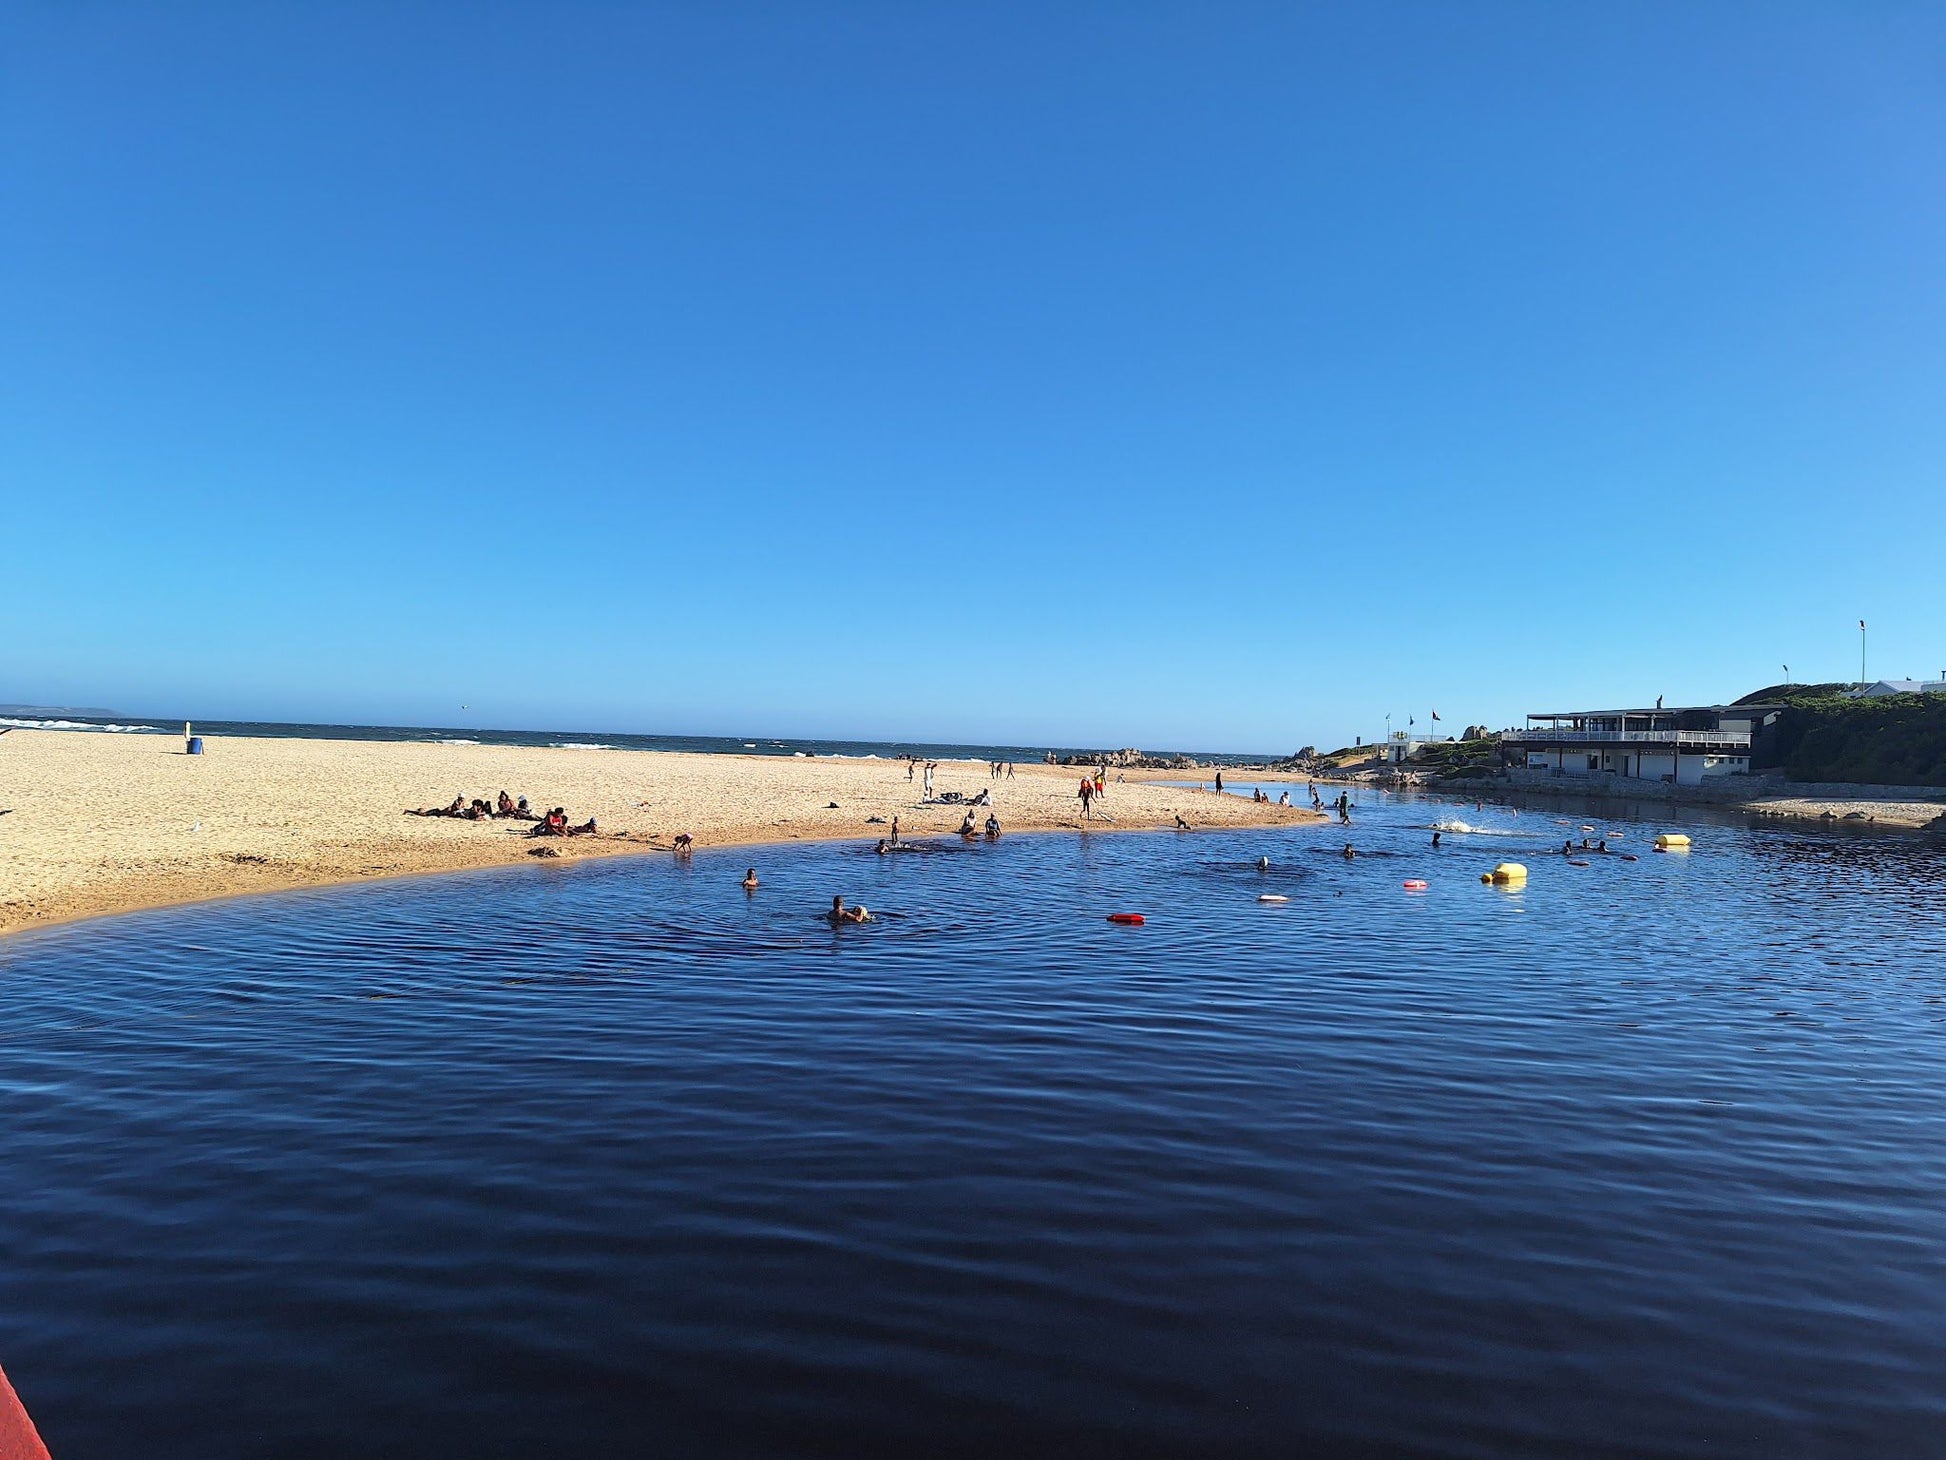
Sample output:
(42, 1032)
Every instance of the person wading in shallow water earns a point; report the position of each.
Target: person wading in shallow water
(840, 914)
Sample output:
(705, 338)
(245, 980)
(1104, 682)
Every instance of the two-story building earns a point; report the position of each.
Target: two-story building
(1686, 746)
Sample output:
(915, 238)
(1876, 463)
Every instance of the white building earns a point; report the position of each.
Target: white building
(1903, 687)
(1684, 746)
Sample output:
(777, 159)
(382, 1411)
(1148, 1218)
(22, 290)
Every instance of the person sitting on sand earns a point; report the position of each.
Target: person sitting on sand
(993, 827)
(1285, 799)
(683, 845)
(1181, 825)
(750, 880)
(840, 914)
(504, 806)
(587, 828)
(966, 827)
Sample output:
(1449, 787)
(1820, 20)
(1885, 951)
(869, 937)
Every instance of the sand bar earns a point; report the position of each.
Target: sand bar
(93, 824)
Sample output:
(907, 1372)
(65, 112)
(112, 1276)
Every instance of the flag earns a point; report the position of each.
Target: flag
(1861, 625)
(1410, 721)
(1435, 714)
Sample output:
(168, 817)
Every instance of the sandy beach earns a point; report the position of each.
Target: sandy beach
(93, 824)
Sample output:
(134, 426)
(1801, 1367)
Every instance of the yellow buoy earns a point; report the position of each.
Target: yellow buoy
(1672, 841)
(1509, 872)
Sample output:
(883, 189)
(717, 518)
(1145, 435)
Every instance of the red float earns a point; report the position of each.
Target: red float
(19, 1440)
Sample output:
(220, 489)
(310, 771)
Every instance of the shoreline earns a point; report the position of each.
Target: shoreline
(1907, 808)
(95, 826)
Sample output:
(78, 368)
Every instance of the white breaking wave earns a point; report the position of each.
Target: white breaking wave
(580, 745)
(15, 724)
(1453, 826)
(453, 740)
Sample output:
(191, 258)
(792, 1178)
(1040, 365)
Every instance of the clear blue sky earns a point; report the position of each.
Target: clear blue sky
(1222, 376)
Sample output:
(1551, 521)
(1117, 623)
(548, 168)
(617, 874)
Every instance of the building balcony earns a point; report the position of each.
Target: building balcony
(1731, 741)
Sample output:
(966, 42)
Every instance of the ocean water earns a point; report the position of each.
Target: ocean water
(584, 739)
(1643, 1159)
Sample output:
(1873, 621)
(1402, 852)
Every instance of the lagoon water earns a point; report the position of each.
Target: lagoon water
(1645, 1159)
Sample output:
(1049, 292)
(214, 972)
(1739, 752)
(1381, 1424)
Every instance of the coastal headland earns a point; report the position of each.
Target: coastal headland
(100, 823)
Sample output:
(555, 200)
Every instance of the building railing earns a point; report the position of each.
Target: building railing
(1739, 739)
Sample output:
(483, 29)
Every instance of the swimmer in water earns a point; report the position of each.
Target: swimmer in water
(750, 880)
(1435, 838)
(881, 848)
(1349, 852)
(840, 914)
(1263, 864)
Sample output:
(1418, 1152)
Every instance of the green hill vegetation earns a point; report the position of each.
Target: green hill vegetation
(1891, 740)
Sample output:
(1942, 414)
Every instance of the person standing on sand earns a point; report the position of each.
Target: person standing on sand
(1010, 770)
(895, 831)
(910, 767)
(1087, 795)
(1219, 781)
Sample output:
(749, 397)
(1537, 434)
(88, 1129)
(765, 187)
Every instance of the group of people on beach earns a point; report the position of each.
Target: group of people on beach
(480, 809)
(1093, 788)
(508, 808)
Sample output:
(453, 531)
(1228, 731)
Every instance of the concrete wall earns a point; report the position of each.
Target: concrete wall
(1627, 763)
(1716, 788)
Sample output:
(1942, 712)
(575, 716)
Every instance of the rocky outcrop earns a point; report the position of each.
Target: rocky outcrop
(1129, 759)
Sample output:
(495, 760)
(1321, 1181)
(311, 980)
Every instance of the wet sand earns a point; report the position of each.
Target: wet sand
(93, 824)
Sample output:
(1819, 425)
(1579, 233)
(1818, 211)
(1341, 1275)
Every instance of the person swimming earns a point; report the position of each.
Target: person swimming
(840, 914)
(1349, 852)
(883, 847)
(750, 880)
(1263, 864)
(1435, 836)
